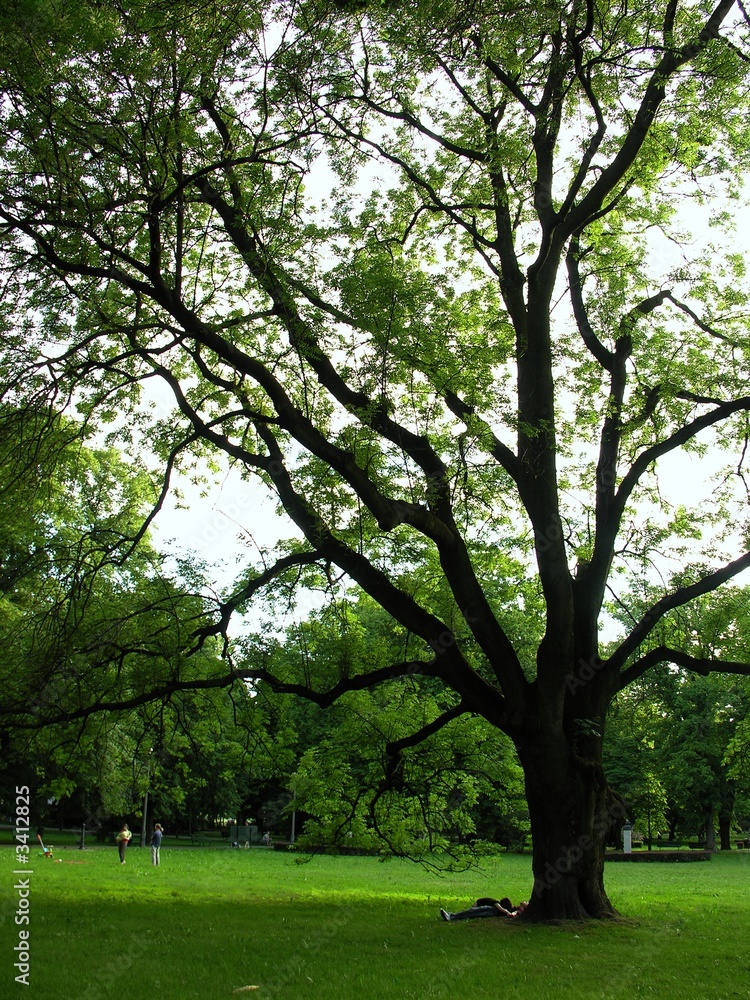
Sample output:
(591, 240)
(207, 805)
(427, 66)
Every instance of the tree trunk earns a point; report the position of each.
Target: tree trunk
(710, 830)
(572, 811)
(673, 818)
(725, 832)
(725, 815)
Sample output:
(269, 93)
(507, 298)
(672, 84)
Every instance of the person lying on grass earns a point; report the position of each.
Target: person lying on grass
(487, 907)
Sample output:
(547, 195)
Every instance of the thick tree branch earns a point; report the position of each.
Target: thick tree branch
(395, 748)
(473, 603)
(502, 76)
(680, 437)
(678, 598)
(583, 75)
(370, 412)
(696, 664)
(359, 682)
(608, 516)
(603, 355)
(251, 588)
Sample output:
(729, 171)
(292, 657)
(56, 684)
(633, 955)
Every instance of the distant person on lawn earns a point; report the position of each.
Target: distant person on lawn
(156, 843)
(487, 907)
(123, 839)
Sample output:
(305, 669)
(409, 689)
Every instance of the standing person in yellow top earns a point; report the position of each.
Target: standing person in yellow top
(123, 839)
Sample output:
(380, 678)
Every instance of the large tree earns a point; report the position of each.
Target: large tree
(424, 271)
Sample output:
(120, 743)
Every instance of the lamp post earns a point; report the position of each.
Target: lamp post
(145, 798)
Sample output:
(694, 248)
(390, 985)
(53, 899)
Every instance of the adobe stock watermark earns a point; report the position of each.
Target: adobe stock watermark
(106, 975)
(228, 518)
(447, 638)
(449, 982)
(587, 670)
(553, 534)
(22, 888)
(573, 854)
(289, 975)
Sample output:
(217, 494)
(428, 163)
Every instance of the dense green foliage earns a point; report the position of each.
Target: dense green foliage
(674, 738)
(89, 610)
(669, 750)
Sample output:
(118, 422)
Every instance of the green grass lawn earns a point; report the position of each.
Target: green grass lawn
(209, 921)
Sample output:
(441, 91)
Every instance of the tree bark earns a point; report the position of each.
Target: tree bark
(710, 830)
(725, 842)
(572, 811)
(725, 814)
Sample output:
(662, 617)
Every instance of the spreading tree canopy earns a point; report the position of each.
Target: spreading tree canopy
(426, 273)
